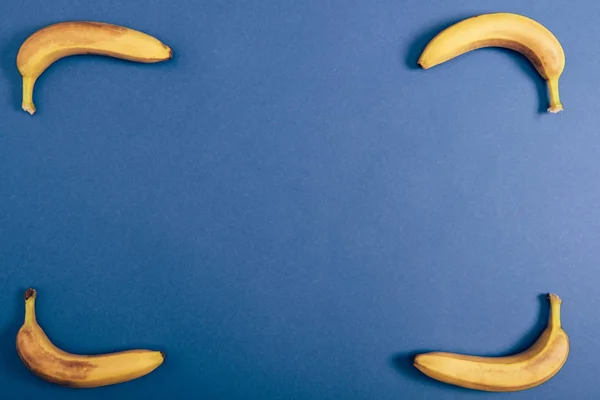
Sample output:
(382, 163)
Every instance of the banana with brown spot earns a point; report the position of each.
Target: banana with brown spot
(81, 371)
(64, 39)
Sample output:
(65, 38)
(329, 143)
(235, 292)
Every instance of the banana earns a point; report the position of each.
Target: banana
(511, 31)
(54, 42)
(56, 366)
(521, 371)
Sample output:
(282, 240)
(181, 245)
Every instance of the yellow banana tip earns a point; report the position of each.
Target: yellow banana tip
(29, 293)
(417, 361)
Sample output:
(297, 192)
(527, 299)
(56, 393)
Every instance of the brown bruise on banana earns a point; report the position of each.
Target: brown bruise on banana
(40, 38)
(54, 365)
(65, 372)
(116, 29)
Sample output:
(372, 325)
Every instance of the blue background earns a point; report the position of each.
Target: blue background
(290, 208)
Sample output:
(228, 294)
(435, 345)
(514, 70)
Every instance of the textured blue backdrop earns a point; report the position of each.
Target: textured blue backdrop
(290, 208)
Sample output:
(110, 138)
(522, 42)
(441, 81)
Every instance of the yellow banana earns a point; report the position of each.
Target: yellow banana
(521, 371)
(56, 366)
(511, 31)
(54, 42)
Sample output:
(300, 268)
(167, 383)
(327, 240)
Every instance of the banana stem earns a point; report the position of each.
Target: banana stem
(555, 104)
(555, 303)
(30, 296)
(28, 84)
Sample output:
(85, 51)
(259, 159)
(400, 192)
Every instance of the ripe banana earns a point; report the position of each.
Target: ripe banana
(54, 42)
(504, 374)
(57, 366)
(511, 31)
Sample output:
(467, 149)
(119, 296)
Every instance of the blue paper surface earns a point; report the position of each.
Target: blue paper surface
(290, 208)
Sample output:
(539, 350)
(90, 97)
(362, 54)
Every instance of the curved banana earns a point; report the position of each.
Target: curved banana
(54, 42)
(511, 31)
(504, 374)
(56, 366)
